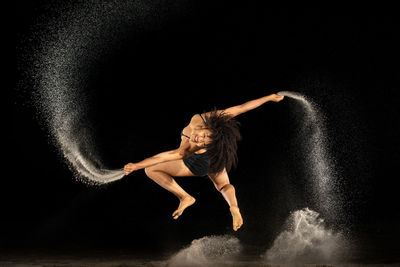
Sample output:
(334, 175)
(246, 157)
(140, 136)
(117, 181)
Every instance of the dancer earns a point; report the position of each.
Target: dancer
(208, 148)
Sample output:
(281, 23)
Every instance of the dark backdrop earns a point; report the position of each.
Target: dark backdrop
(144, 93)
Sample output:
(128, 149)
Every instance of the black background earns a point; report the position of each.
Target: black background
(344, 58)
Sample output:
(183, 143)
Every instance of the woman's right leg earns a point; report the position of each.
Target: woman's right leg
(162, 174)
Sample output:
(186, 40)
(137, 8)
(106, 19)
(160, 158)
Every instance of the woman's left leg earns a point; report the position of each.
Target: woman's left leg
(222, 184)
(162, 174)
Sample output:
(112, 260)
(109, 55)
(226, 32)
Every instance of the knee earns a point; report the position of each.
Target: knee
(149, 171)
(226, 187)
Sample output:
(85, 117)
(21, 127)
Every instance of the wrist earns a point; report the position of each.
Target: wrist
(268, 98)
(136, 166)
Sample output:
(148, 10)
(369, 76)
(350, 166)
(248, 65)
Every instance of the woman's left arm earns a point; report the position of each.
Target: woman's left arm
(252, 104)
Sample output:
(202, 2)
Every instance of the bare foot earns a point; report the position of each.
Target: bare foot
(236, 217)
(185, 202)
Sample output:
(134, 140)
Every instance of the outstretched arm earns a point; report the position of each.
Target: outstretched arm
(182, 152)
(161, 157)
(252, 104)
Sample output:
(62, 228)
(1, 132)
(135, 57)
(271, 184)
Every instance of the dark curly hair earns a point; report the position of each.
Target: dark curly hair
(225, 134)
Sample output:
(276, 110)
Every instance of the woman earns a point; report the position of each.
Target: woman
(208, 147)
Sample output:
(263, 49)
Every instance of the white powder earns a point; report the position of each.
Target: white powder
(307, 240)
(208, 251)
(71, 40)
(319, 164)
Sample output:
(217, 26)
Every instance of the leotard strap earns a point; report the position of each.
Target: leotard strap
(202, 118)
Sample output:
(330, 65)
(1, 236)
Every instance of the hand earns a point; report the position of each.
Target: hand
(130, 167)
(276, 98)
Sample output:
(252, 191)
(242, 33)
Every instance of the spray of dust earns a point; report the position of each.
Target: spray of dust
(67, 44)
(307, 240)
(318, 163)
(208, 251)
(67, 55)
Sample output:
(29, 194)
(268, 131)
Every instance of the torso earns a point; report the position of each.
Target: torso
(195, 123)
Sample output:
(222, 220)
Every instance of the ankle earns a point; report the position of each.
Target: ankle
(234, 208)
(181, 198)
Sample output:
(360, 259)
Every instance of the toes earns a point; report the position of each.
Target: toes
(237, 225)
(176, 214)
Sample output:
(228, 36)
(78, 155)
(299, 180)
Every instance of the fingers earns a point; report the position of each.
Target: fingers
(277, 98)
(128, 168)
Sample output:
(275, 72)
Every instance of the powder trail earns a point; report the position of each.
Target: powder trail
(319, 164)
(71, 43)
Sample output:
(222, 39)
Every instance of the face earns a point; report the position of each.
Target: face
(201, 137)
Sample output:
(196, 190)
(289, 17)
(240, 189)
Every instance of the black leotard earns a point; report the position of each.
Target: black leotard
(198, 164)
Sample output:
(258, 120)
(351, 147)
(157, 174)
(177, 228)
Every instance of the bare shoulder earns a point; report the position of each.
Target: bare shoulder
(196, 121)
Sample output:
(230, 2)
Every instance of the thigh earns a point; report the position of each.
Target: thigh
(174, 168)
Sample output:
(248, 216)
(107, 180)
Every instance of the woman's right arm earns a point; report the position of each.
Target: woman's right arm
(176, 154)
(161, 157)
